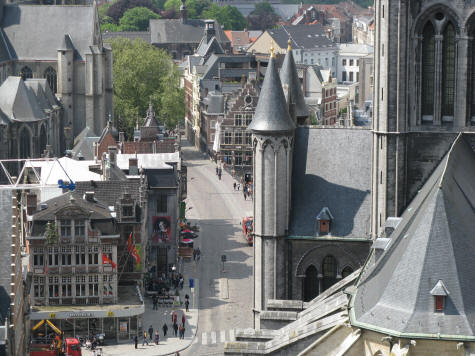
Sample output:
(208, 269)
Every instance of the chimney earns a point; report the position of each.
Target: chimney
(210, 31)
(133, 166)
(112, 155)
(31, 201)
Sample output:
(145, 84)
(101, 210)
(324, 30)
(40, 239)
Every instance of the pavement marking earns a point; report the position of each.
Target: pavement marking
(223, 288)
(204, 339)
(213, 337)
(231, 335)
(222, 335)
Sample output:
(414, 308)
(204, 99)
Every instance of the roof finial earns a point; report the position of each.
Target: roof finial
(289, 47)
(272, 55)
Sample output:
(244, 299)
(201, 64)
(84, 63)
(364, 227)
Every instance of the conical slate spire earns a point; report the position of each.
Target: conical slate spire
(291, 84)
(272, 114)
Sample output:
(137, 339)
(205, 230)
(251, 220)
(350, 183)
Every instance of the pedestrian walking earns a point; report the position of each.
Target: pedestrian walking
(155, 302)
(182, 329)
(157, 337)
(194, 254)
(182, 281)
(198, 253)
(234, 185)
(183, 318)
(144, 338)
(175, 328)
(244, 193)
(174, 317)
(165, 329)
(136, 340)
(150, 332)
(238, 186)
(217, 170)
(187, 305)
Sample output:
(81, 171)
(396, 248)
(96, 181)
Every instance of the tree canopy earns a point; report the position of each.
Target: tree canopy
(137, 19)
(143, 72)
(227, 16)
(262, 17)
(117, 9)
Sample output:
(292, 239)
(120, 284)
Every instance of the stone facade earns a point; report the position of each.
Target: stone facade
(423, 95)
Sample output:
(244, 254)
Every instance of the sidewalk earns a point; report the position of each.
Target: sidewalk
(156, 318)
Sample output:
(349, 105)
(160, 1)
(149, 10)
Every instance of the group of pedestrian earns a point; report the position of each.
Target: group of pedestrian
(196, 254)
(246, 191)
(237, 186)
(178, 281)
(219, 172)
(149, 336)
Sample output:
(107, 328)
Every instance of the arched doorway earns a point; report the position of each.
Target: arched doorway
(329, 272)
(25, 144)
(310, 284)
(43, 139)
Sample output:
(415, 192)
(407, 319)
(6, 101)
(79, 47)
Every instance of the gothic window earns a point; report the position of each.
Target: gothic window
(448, 73)
(329, 272)
(50, 75)
(26, 73)
(428, 69)
(25, 143)
(310, 284)
(346, 272)
(43, 139)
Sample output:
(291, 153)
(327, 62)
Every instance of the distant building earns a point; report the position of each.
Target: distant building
(70, 55)
(349, 55)
(363, 30)
(241, 40)
(366, 80)
(310, 45)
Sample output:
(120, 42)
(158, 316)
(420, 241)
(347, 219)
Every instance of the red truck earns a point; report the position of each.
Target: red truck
(53, 346)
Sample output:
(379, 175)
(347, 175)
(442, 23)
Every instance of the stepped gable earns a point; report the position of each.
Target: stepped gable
(433, 245)
(290, 78)
(271, 113)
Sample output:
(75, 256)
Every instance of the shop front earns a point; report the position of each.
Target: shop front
(120, 322)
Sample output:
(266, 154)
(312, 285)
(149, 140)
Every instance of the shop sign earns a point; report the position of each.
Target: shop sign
(80, 315)
(110, 314)
(52, 315)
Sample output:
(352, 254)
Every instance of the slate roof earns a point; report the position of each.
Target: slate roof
(176, 31)
(214, 102)
(290, 78)
(302, 37)
(207, 48)
(110, 192)
(84, 144)
(5, 251)
(434, 242)
(21, 22)
(42, 91)
(18, 103)
(272, 114)
(130, 35)
(332, 168)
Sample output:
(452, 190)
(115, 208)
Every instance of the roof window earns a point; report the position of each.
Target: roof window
(439, 292)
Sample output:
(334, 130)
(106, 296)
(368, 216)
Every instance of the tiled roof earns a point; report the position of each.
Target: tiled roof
(110, 192)
(302, 37)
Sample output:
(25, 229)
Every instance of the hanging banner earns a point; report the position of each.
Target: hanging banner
(138, 265)
(162, 231)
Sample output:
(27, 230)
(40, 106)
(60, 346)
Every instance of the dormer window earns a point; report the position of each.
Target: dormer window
(439, 292)
(127, 211)
(323, 222)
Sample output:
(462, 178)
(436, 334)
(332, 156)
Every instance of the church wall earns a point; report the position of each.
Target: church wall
(306, 253)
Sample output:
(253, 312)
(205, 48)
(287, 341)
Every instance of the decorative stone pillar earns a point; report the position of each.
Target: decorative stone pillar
(461, 82)
(320, 282)
(438, 80)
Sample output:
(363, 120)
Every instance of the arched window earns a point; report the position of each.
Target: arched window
(25, 143)
(329, 272)
(428, 72)
(26, 73)
(310, 284)
(50, 75)
(43, 139)
(448, 73)
(346, 272)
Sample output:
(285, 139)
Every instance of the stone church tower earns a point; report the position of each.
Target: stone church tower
(424, 94)
(273, 132)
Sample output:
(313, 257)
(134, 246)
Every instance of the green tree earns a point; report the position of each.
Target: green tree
(141, 71)
(194, 8)
(227, 16)
(262, 17)
(137, 19)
